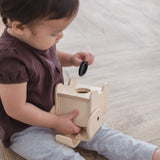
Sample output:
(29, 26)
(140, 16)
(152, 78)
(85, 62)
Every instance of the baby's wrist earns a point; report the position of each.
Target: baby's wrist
(71, 61)
(54, 122)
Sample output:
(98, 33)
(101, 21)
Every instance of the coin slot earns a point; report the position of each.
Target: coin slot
(83, 90)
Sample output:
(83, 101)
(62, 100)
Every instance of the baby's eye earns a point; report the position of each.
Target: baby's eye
(53, 35)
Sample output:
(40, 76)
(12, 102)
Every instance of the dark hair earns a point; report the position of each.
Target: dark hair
(26, 11)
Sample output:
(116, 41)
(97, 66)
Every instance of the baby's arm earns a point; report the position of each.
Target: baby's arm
(13, 97)
(68, 59)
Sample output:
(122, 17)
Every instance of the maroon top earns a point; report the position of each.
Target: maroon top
(41, 69)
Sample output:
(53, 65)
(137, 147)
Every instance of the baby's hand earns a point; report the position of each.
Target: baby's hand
(65, 124)
(77, 58)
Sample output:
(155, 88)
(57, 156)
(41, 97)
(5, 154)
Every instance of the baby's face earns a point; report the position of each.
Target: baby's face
(45, 33)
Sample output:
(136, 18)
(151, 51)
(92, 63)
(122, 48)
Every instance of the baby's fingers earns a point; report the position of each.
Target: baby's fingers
(73, 114)
(91, 59)
(76, 129)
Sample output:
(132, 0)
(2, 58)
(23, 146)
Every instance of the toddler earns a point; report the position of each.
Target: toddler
(30, 68)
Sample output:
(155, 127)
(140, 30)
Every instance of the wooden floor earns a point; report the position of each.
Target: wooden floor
(124, 36)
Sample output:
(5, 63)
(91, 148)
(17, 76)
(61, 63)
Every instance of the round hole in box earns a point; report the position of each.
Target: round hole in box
(83, 90)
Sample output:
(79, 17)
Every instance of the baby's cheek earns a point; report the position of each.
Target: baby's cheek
(48, 42)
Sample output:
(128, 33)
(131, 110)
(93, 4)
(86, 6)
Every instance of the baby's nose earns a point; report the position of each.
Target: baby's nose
(60, 35)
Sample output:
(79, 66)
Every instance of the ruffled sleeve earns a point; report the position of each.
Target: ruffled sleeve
(12, 67)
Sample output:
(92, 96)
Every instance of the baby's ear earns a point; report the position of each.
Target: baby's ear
(18, 27)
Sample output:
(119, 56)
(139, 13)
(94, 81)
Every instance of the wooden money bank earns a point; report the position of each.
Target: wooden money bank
(92, 103)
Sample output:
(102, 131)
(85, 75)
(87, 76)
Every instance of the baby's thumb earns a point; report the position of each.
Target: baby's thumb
(78, 62)
(74, 114)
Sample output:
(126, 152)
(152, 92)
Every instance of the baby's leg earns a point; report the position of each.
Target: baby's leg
(36, 143)
(116, 146)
